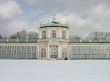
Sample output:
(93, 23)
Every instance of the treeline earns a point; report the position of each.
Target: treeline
(22, 35)
(34, 35)
(95, 36)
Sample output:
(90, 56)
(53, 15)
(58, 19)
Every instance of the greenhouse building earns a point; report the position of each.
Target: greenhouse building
(54, 43)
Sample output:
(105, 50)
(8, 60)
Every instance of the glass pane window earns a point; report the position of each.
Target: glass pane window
(64, 53)
(63, 34)
(53, 34)
(43, 53)
(44, 35)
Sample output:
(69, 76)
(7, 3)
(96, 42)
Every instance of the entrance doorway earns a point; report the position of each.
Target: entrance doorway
(53, 51)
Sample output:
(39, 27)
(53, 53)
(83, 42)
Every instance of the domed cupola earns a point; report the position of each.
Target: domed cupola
(54, 30)
(54, 24)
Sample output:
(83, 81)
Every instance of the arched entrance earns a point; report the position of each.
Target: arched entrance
(53, 52)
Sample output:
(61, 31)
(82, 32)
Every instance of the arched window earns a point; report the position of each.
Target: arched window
(43, 53)
(53, 34)
(63, 34)
(44, 34)
(54, 52)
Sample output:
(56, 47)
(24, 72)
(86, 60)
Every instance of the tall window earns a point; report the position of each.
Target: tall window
(53, 34)
(44, 34)
(63, 34)
(64, 53)
(43, 53)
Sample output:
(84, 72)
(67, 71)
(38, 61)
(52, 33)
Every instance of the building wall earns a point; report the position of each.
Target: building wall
(18, 51)
(75, 51)
(90, 51)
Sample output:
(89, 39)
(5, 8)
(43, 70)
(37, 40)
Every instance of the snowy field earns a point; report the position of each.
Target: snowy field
(54, 71)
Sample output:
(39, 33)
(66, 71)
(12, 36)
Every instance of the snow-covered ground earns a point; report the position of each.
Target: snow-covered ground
(54, 71)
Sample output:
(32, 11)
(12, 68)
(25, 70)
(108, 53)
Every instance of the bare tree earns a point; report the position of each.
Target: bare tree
(75, 38)
(99, 36)
(1, 37)
(24, 35)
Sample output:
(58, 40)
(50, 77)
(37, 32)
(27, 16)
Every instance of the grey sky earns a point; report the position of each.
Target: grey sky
(84, 16)
(54, 71)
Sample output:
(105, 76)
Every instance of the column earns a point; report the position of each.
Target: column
(48, 52)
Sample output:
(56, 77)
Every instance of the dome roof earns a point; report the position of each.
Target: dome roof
(54, 24)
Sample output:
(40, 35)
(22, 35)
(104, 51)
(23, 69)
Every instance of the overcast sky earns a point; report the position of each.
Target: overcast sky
(54, 71)
(84, 16)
